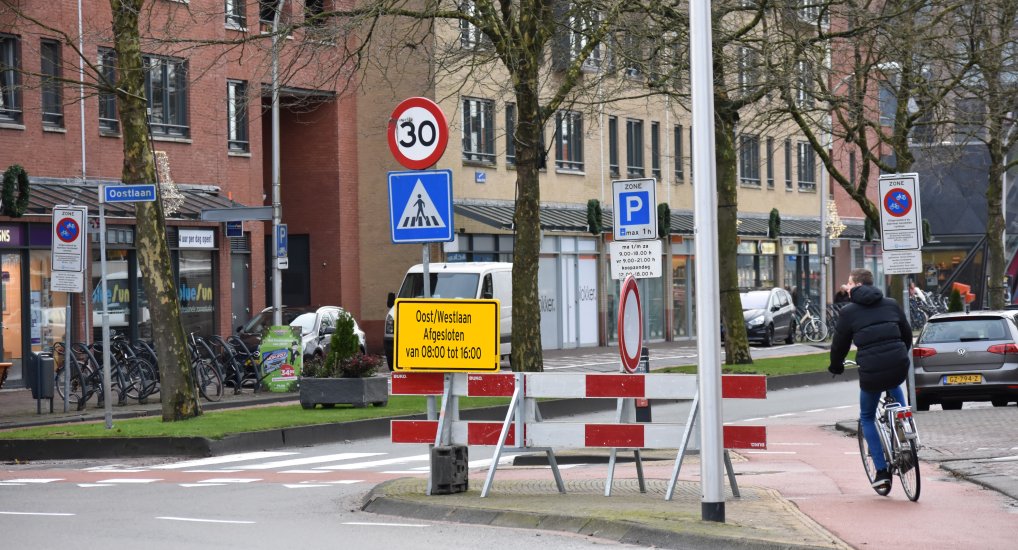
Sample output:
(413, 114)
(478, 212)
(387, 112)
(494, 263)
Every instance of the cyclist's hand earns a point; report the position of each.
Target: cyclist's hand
(836, 369)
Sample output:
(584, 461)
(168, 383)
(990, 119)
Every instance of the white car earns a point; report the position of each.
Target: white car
(312, 321)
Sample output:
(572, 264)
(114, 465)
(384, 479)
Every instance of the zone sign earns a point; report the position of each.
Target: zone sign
(418, 133)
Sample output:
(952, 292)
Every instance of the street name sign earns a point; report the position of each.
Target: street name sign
(635, 209)
(420, 206)
(447, 335)
(143, 192)
(900, 212)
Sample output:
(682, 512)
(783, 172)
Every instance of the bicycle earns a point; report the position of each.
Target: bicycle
(206, 374)
(899, 441)
(810, 327)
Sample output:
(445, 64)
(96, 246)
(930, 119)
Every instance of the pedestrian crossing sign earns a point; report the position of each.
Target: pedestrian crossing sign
(420, 206)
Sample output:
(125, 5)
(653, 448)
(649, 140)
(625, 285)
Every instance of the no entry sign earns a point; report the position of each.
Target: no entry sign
(418, 133)
(630, 324)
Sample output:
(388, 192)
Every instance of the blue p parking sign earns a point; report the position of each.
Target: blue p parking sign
(634, 209)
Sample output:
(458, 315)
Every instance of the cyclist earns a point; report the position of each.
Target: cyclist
(880, 331)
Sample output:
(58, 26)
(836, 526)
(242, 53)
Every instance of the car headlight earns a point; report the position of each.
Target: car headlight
(756, 321)
(389, 324)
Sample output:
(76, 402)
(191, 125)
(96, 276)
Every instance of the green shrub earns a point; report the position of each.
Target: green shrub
(343, 344)
(954, 303)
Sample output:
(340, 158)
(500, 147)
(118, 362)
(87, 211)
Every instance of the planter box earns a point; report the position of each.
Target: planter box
(344, 391)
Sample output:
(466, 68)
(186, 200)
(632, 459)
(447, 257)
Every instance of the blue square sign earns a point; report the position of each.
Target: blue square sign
(635, 212)
(420, 206)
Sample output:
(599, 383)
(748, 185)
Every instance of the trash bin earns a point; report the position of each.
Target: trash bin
(39, 375)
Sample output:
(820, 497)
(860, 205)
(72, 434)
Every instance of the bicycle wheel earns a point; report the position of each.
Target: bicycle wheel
(77, 386)
(815, 331)
(908, 470)
(867, 462)
(141, 381)
(210, 383)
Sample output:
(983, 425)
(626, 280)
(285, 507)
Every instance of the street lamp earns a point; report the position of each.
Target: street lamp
(277, 209)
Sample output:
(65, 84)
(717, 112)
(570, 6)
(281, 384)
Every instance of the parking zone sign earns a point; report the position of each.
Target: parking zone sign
(635, 213)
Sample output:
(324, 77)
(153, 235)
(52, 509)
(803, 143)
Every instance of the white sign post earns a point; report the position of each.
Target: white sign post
(68, 259)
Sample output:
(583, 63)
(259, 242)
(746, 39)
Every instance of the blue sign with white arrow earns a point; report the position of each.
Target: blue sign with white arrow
(420, 206)
(144, 192)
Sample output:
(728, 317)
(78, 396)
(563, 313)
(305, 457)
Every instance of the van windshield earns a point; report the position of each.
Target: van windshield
(443, 285)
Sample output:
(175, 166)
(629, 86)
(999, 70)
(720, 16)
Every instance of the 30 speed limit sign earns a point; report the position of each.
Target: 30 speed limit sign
(418, 133)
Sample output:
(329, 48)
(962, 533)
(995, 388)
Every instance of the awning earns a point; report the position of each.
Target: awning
(569, 219)
(45, 195)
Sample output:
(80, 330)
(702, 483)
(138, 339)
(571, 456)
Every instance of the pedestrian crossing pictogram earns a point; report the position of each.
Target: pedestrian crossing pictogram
(420, 206)
(420, 210)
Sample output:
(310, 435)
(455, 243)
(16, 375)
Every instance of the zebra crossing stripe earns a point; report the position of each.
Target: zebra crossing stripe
(34, 480)
(128, 480)
(307, 460)
(374, 463)
(221, 460)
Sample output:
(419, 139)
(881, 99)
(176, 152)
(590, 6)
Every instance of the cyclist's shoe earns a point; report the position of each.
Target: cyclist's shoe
(882, 480)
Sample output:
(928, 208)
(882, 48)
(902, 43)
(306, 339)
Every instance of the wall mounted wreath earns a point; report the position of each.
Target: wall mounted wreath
(15, 179)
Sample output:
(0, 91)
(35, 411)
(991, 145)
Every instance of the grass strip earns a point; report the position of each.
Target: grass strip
(771, 366)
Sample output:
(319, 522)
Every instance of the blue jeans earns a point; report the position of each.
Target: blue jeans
(867, 414)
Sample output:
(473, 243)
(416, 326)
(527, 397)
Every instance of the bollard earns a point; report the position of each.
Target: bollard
(643, 405)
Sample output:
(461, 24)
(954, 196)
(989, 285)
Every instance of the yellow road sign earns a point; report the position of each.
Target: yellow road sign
(446, 335)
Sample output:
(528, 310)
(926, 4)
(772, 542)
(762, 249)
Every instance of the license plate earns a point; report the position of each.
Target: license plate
(964, 379)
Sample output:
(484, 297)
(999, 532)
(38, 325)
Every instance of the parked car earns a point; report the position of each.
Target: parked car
(769, 315)
(962, 357)
(315, 324)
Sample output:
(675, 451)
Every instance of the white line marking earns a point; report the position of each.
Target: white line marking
(6, 484)
(1004, 459)
(751, 419)
(200, 520)
(781, 415)
(37, 513)
(130, 480)
(35, 480)
(202, 484)
(845, 407)
(385, 524)
(211, 471)
(300, 472)
(302, 485)
(375, 463)
(88, 485)
(308, 460)
(816, 410)
(222, 460)
(230, 480)
(345, 481)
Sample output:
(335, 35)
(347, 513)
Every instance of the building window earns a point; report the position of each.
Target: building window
(52, 100)
(770, 163)
(632, 47)
(569, 140)
(613, 146)
(851, 167)
(888, 103)
(634, 148)
(479, 130)
(582, 26)
(235, 14)
(107, 97)
(679, 175)
(267, 11)
(166, 89)
(807, 167)
(749, 160)
(236, 116)
(788, 165)
(655, 150)
(510, 134)
(10, 89)
(312, 10)
(471, 37)
(804, 88)
(749, 64)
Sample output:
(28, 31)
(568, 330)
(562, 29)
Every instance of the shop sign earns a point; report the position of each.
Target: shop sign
(768, 248)
(281, 357)
(196, 238)
(12, 235)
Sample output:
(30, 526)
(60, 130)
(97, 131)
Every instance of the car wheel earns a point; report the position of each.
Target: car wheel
(999, 402)
(768, 338)
(790, 339)
(951, 405)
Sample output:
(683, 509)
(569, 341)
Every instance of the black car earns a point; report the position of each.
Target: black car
(769, 315)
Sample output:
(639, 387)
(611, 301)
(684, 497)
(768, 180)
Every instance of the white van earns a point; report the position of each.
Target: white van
(466, 280)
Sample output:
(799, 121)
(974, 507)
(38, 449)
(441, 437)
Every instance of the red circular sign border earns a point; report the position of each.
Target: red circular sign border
(911, 201)
(61, 222)
(629, 363)
(443, 132)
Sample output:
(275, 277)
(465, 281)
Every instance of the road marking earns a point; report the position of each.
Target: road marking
(202, 484)
(751, 419)
(130, 480)
(781, 415)
(845, 407)
(6, 484)
(88, 485)
(375, 463)
(36, 513)
(222, 480)
(303, 485)
(201, 520)
(345, 481)
(385, 524)
(34, 480)
(307, 460)
(1004, 459)
(222, 460)
(816, 410)
(209, 471)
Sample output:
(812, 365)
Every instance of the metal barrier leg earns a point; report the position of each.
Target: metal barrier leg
(513, 406)
(555, 472)
(611, 472)
(639, 470)
(682, 446)
(731, 475)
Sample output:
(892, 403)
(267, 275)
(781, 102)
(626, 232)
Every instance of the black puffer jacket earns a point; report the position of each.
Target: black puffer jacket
(879, 329)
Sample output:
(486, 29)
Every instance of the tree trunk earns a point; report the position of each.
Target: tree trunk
(736, 342)
(995, 218)
(179, 396)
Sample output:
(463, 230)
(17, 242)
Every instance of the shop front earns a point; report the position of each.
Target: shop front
(757, 264)
(802, 271)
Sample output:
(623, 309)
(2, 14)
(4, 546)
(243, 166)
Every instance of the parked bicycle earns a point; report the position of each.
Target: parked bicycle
(810, 329)
(204, 369)
(899, 441)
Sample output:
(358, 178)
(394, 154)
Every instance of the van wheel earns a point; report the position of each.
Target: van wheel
(953, 405)
(1000, 402)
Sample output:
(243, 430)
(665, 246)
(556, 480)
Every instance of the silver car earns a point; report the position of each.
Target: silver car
(962, 357)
